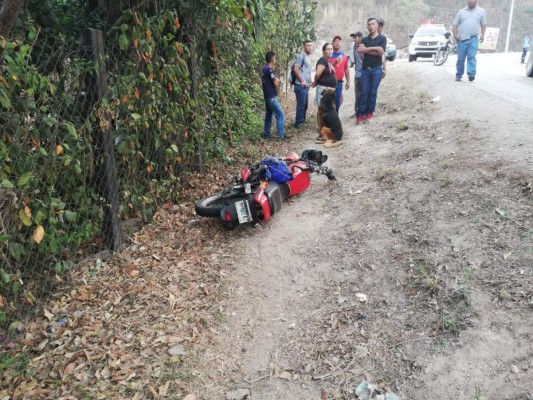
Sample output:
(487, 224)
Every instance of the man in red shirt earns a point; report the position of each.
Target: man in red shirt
(340, 61)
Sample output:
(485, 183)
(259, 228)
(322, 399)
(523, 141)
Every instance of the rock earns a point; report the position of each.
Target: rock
(361, 297)
(178, 350)
(361, 351)
(285, 375)
(514, 369)
(308, 368)
(239, 394)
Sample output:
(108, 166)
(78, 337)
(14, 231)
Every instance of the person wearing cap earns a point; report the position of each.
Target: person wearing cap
(339, 60)
(372, 48)
(302, 70)
(526, 44)
(358, 66)
(381, 27)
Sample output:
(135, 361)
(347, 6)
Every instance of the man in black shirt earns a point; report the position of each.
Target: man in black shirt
(372, 49)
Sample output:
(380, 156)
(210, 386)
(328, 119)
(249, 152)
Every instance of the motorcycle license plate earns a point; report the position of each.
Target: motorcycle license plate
(243, 211)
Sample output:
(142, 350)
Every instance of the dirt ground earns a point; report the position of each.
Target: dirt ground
(413, 270)
(431, 220)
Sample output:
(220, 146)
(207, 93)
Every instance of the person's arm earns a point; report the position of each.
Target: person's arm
(319, 69)
(371, 51)
(483, 26)
(347, 73)
(275, 81)
(384, 57)
(455, 33)
(298, 72)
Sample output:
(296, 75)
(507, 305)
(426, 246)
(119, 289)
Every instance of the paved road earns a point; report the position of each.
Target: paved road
(500, 74)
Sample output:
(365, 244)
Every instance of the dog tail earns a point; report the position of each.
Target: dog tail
(330, 143)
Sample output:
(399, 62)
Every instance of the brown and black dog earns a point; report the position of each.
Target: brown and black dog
(329, 123)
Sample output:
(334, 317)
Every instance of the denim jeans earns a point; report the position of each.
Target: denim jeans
(338, 96)
(357, 88)
(370, 80)
(273, 108)
(524, 53)
(302, 101)
(467, 49)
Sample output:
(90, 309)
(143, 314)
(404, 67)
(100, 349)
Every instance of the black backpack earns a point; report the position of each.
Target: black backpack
(292, 74)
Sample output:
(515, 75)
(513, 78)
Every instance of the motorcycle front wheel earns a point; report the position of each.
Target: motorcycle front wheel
(440, 57)
(212, 205)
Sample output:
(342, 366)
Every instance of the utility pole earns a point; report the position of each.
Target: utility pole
(509, 27)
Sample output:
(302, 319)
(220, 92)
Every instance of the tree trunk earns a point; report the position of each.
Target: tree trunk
(8, 16)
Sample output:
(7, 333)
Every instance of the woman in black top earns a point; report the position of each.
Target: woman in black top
(325, 72)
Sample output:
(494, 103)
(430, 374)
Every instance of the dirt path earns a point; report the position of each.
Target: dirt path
(430, 220)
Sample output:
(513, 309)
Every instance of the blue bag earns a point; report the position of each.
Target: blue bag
(277, 171)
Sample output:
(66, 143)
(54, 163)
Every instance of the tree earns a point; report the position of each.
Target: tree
(8, 15)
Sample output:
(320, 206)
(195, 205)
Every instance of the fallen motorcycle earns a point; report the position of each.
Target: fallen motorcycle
(259, 191)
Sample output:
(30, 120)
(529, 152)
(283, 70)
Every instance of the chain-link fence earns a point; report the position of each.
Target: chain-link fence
(83, 149)
(58, 200)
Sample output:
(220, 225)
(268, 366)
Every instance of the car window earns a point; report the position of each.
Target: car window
(427, 31)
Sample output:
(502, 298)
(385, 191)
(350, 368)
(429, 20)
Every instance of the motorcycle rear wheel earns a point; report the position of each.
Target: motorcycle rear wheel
(212, 205)
(440, 57)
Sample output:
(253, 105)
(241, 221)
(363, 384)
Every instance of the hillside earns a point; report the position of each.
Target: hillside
(404, 16)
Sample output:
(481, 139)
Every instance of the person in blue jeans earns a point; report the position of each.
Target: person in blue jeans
(468, 30)
(302, 70)
(372, 47)
(270, 83)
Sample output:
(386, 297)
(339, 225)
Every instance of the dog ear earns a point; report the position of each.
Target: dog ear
(323, 159)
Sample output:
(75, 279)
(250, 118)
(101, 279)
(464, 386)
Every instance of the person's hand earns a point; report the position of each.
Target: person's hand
(347, 85)
(481, 39)
(380, 51)
(313, 84)
(303, 83)
(384, 74)
(456, 37)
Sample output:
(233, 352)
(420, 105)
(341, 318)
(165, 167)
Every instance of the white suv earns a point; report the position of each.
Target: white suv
(426, 41)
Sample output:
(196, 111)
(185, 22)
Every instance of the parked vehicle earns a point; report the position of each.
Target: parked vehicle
(529, 65)
(444, 51)
(259, 191)
(390, 51)
(426, 41)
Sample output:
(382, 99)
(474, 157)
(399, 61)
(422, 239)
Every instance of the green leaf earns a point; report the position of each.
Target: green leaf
(25, 179)
(7, 184)
(17, 251)
(24, 218)
(42, 151)
(5, 100)
(174, 148)
(136, 116)
(71, 129)
(58, 268)
(123, 41)
(4, 238)
(123, 28)
(71, 216)
(39, 217)
(50, 121)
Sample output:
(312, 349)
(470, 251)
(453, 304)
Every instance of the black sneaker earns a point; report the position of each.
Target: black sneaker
(471, 78)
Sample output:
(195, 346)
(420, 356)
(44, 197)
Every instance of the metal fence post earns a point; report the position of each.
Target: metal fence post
(104, 154)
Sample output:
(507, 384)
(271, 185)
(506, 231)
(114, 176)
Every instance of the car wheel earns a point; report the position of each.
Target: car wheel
(412, 58)
(391, 59)
(529, 66)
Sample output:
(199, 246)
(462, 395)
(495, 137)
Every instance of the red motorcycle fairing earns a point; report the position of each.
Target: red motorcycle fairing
(302, 180)
(245, 174)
